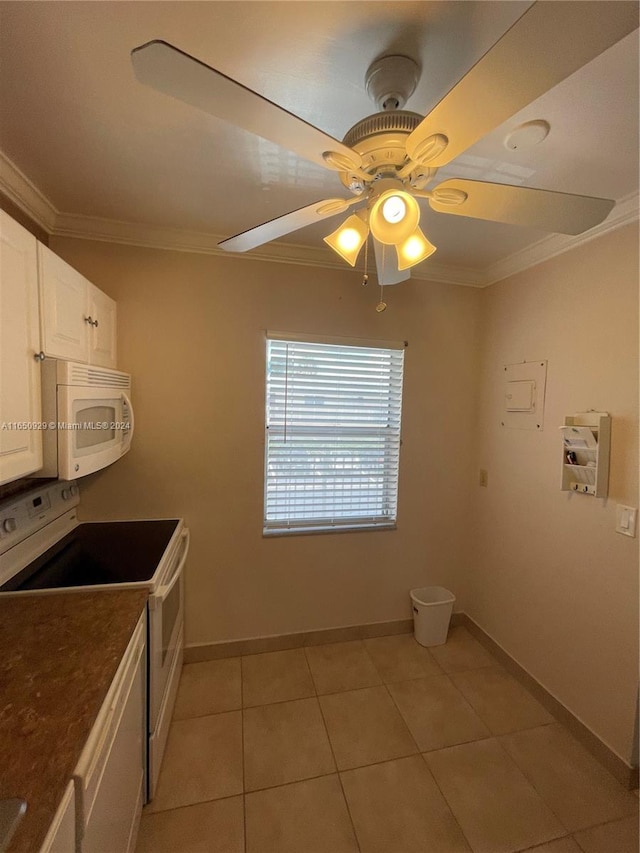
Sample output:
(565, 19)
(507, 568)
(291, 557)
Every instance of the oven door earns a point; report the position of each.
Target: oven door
(166, 617)
(95, 427)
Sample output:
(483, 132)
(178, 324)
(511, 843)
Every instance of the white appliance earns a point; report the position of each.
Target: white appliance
(44, 548)
(87, 418)
(110, 773)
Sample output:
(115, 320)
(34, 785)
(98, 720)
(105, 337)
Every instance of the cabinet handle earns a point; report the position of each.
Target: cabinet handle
(95, 324)
(88, 320)
(39, 356)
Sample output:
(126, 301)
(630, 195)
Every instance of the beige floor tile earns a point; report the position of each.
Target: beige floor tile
(275, 677)
(306, 817)
(365, 727)
(560, 845)
(576, 787)
(400, 658)
(203, 761)
(495, 805)
(620, 836)
(500, 701)
(208, 688)
(436, 713)
(461, 652)
(341, 666)
(397, 807)
(285, 742)
(204, 828)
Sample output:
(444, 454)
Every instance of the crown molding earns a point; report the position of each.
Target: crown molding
(26, 195)
(626, 211)
(200, 242)
(22, 192)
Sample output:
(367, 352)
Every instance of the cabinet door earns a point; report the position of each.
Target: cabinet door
(102, 337)
(61, 837)
(63, 302)
(20, 402)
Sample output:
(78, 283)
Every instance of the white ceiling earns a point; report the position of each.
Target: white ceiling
(97, 143)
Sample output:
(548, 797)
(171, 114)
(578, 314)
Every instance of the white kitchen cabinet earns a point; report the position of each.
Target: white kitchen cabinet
(61, 837)
(20, 402)
(102, 337)
(78, 321)
(110, 775)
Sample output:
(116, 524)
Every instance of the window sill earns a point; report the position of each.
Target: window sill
(310, 531)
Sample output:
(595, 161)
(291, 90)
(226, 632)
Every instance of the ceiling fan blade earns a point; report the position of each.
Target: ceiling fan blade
(166, 68)
(282, 225)
(544, 46)
(543, 209)
(387, 265)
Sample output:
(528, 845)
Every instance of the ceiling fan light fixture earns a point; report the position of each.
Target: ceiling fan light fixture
(394, 216)
(349, 238)
(414, 250)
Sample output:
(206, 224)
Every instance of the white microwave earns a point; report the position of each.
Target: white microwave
(87, 418)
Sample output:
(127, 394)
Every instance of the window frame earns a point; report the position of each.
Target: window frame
(273, 526)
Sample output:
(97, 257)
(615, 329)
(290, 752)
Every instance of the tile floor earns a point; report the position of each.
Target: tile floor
(378, 746)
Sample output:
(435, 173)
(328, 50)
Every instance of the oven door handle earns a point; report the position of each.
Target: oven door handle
(165, 589)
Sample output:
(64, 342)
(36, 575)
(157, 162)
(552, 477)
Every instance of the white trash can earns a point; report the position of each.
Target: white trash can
(432, 606)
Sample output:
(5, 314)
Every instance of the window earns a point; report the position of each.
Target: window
(332, 444)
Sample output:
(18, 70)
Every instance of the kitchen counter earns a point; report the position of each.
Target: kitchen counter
(58, 656)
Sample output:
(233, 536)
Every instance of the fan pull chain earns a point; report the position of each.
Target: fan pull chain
(365, 277)
(380, 307)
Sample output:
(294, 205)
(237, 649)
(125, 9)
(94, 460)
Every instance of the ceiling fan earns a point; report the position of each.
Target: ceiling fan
(389, 159)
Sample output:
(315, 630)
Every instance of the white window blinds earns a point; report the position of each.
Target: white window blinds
(333, 435)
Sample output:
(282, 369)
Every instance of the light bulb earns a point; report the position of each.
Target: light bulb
(414, 250)
(394, 209)
(348, 239)
(393, 217)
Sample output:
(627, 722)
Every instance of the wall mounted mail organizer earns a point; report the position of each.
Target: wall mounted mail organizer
(586, 439)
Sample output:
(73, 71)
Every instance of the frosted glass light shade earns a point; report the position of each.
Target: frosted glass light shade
(349, 238)
(394, 217)
(414, 250)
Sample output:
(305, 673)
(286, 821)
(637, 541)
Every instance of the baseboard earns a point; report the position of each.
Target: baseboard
(458, 619)
(280, 642)
(623, 772)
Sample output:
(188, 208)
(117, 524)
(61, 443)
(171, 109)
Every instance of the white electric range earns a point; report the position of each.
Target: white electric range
(45, 548)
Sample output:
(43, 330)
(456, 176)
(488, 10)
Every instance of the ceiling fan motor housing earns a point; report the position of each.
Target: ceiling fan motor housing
(380, 140)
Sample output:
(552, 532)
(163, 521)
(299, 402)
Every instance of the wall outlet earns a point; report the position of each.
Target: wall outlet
(483, 478)
(626, 520)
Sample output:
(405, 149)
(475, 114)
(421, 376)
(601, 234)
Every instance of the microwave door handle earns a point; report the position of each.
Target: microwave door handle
(165, 589)
(132, 421)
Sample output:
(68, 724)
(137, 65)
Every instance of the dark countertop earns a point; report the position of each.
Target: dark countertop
(58, 655)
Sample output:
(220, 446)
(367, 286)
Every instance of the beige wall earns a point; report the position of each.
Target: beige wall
(191, 331)
(542, 571)
(550, 580)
